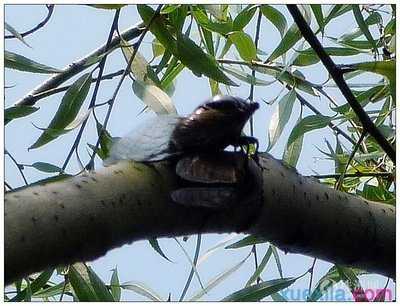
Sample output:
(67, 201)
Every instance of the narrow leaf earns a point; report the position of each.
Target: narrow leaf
(156, 246)
(308, 124)
(244, 44)
(143, 290)
(83, 291)
(14, 32)
(19, 62)
(18, 112)
(115, 285)
(68, 109)
(280, 118)
(275, 17)
(100, 289)
(248, 240)
(154, 97)
(257, 292)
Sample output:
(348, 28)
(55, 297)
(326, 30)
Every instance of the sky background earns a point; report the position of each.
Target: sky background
(75, 31)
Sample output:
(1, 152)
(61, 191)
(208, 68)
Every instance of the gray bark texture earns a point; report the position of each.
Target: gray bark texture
(81, 218)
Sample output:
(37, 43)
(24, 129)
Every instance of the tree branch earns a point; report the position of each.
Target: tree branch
(50, 9)
(337, 76)
(77, 66)
(83, 217)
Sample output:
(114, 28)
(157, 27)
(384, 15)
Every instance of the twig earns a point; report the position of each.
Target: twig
(20, 167)
(50, 9)
(356, 174)
(50, 92)
(77, 66)
(355, 149)
(96, 88)
(126, 72)
(253, 72)
(337, 76)
(251, 98)
(311, 271)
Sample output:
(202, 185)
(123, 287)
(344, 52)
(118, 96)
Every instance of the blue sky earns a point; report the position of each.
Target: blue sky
(73, 32)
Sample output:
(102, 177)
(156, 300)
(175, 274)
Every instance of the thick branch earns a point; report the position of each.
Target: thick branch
(77, 67)
(82, 218)
(337, 76)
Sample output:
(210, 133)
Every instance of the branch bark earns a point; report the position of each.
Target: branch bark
(81, 218)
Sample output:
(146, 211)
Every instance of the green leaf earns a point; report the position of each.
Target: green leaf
(372, 19)
(336, 11)
(18, 112)
(14, 32)
(257, 292)
(309, 57)
(222, 27)
(143, 290)
(157, 48)
(68, 109)
(140, 68)
(108, 6)
(52, 291)
(21, 63)
(246, 77)
(244, 17)
(83, 290)
(157, 27)
(275, 17)
(46, 167)
(363, 26)
(280, 118)
(277, 260)
(115, 286)
(319, 16)
(193, 57)
(308, 124)
(100, 289)
(293, 79)
(384, 68)
(291, 37)
(248, 240)
(38, 283)
(349, 277)
(244, 44)
(156, 246)
(177, 17)
(154, 97)
(326, 282)
(260, 268)
(378, 194)
(292, 152)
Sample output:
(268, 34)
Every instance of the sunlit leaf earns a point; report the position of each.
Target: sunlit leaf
(143, 290)
(154, 97)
